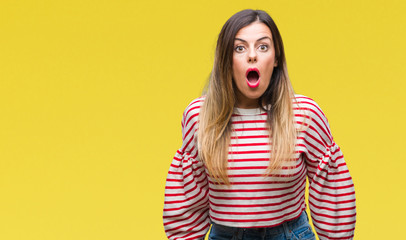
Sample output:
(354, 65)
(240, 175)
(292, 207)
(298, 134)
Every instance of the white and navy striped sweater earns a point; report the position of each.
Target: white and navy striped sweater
(192, 199)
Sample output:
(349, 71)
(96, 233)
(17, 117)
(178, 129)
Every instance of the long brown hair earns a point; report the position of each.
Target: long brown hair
(214, 120)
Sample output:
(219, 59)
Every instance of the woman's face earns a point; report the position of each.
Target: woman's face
(253, 63)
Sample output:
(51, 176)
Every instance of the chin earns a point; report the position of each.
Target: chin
(255, 96)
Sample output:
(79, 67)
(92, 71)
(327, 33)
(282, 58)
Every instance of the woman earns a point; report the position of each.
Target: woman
(248, 146)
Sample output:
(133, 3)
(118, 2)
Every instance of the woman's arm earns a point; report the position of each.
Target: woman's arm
(186, 206)
(331, 190)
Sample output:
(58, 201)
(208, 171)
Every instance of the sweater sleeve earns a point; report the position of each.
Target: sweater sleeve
(186, 207)
(331, 190)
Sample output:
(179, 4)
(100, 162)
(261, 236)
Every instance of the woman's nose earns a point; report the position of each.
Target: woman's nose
(252, 57)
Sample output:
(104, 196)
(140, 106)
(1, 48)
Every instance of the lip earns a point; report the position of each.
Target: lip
(256, 84)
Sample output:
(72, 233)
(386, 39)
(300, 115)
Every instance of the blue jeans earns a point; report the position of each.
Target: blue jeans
(296, 229)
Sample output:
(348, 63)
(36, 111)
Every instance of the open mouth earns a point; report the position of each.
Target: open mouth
(252, 77)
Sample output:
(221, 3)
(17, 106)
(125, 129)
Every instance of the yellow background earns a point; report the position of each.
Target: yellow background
(92, 94)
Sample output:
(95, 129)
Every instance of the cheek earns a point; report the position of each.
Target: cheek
(270, 59)
(237, 65)
(269, 65)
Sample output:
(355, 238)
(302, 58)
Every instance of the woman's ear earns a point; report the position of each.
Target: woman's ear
(275, 63)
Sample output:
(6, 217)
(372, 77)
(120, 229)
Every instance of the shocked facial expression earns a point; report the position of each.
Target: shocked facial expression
(253, 63)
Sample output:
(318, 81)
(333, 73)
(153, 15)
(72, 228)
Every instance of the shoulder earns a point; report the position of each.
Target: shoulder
(314, 114)
(191, 113)
(309, 106)
(306, 102)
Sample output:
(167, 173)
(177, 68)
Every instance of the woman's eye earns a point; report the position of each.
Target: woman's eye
(263, 47)
(239, 48)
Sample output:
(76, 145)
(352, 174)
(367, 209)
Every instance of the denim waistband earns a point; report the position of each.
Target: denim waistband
(292, 224)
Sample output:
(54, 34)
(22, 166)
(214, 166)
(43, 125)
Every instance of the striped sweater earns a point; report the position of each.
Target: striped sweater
(192, 200)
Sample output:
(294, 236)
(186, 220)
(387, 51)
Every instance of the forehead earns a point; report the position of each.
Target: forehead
(254, 31)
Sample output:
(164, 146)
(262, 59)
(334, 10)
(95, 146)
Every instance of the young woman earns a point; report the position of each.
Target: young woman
(248, 146)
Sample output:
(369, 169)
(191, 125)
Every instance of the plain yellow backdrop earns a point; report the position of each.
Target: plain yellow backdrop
(92, 94)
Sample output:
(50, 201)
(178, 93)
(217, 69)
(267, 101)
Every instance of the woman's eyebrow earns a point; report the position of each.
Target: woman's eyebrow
(259, 39)
(266, 37)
